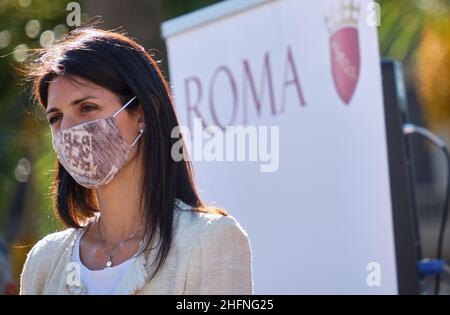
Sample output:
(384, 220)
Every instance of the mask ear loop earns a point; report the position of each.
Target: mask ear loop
(118, 112)
(137, 138)
(123, 107)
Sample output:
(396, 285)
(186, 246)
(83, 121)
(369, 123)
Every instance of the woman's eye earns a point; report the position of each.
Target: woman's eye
(87, 108)
(54, 119)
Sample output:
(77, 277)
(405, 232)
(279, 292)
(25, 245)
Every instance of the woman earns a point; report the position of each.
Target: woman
(136, 224)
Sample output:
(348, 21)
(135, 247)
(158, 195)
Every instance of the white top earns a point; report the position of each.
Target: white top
(104, 281)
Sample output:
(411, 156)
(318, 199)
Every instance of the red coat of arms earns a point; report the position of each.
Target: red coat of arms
(344, 48)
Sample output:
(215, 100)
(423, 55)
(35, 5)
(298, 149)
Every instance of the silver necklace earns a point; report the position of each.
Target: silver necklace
(111, 255)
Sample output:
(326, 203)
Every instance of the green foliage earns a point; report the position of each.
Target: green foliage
(22, 130)
(402, 23)
(400, 30)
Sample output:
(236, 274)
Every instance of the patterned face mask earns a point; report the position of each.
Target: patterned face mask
(93, 152)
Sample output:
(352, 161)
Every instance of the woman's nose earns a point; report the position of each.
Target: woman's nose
(68, 121)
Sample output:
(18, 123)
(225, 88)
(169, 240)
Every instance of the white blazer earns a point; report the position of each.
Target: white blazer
(210, 254)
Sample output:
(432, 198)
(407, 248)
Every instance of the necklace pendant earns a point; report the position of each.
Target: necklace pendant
(109, 263)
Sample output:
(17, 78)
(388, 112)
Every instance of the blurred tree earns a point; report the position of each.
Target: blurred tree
(417, 32)
(433, 65)
(25, 25)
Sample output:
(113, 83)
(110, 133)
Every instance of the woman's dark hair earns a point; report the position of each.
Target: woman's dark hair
(119, 64)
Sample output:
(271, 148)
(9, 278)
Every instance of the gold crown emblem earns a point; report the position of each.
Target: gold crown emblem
(346, 13)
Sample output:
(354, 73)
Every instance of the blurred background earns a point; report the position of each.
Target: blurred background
(414, 32)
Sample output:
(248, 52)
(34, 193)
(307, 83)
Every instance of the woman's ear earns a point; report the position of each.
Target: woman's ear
(140, 117)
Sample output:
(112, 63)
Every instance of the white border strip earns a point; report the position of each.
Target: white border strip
(206, 15)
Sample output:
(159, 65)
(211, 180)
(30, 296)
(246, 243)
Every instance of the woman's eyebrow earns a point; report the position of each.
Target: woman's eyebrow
(75, 102)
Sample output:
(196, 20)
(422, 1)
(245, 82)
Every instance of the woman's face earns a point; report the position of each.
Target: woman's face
(74, 100)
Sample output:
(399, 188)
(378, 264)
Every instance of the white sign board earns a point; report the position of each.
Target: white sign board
(313, 190)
